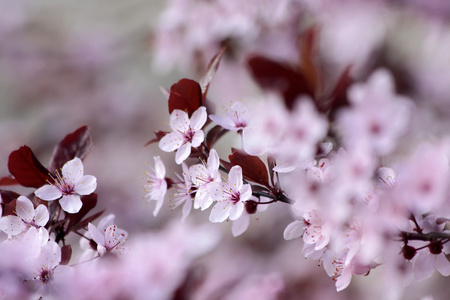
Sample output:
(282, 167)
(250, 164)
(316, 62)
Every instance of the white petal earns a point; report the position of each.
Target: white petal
(96, 235)
(187, 207)
(213, 161)
(71, 203)
(41, 215)
(106, 222)
(293, 230)
(215, 190)
(442, 265)
(236, 210)
(183, 152)
(50, 256)
(159, 203)
(246, 192)
(225, 122)
(198, 138)
(344, 280)
(198, 118)
(48, 192)
(12, 225)
(199, 174)
(25, 209)
(235, 178)
(86, 185)
(73, 169)
(240, 225)
(219, 212)
(423, 266)
(171, 142)
(179, 121)
(160, 169)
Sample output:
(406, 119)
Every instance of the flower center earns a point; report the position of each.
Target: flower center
(188, 135)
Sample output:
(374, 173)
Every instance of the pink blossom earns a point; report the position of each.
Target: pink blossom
(110, 240)
(230, 196)
(183, 193)
(156, 186)
(186, 133)
(69, 186)
(236, 118)
(202, 175)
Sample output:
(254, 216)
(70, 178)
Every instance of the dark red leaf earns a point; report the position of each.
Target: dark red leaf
(66, 254)
(253, 168)
(339, 95)
(8, 180)
(27, 170)
(89, 202)
(8, 196)
(273, 75)
(159, 134)
(308, 53)
(210, 72)
(75, 144)
(213, 135)
(185, 95)
(226, 164)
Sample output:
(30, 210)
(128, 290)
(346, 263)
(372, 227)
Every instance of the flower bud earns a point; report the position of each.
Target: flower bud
(251, 206)
(408, 252)
(435, 247)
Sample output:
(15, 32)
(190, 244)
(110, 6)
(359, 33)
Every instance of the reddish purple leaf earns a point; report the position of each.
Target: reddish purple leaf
(89, 202)
(159, 134)
(185, 95)
(27, 170)
(9, 202)
(8, 180)
(308, 53)
(339, 95)
(8, 196)
(211, 71)
(280, 77)
(213, 135)
(253, 168)
(75, 144)
(66, 254)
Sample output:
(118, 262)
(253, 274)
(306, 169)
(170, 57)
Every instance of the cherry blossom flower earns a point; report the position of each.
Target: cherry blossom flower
(230, 195)
(183, 193)
(26, 217)
(69, 186)
(202, 175)
(156, 186)
(109, 240)
(236, 119)
(186, 133)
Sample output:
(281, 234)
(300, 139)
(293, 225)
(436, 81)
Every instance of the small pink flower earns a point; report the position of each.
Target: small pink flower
(230, 195)
(69, 186)
(109, 240)
(186, 133)
(236, 118)
(183, 193)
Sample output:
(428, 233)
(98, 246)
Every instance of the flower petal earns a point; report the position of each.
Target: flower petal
(198, 118)
(96, 235)
(12, 225)
(73, 169)
(198, 138)
(71, 203)
(179, 121)
(160, 169)
(86, 185)
(41, 215)
(183, 152)
(25, 209)
(171, 142)
(187, 207)
(225, 122)
(240, 225)
(219, 212)
(235, 178)
(213, 161)
(48, 192)
(293, 230)
(246, 192)
(236, 210)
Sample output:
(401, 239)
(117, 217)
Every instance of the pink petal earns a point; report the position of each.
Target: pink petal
(293, 230)
(442, 264)
(160, 169)
(345, 279)
(179, 121)
(159, 203)
(423, 266)
(219, 212)
(96, 235)
(199, 174)
(171, 142)
(41, 215)
(198, 138)
(240, 225)
(25, 209)
(225, 122)
(198, 118)
(71, 203)
(86, 185)
(235, 178)
(215, 190)
(12, 225)
(187, 207)
(213, 161)
(105, 222)
(246, 192)
(236, 210)
(72, 170)
(48, 192)
(183, 152)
